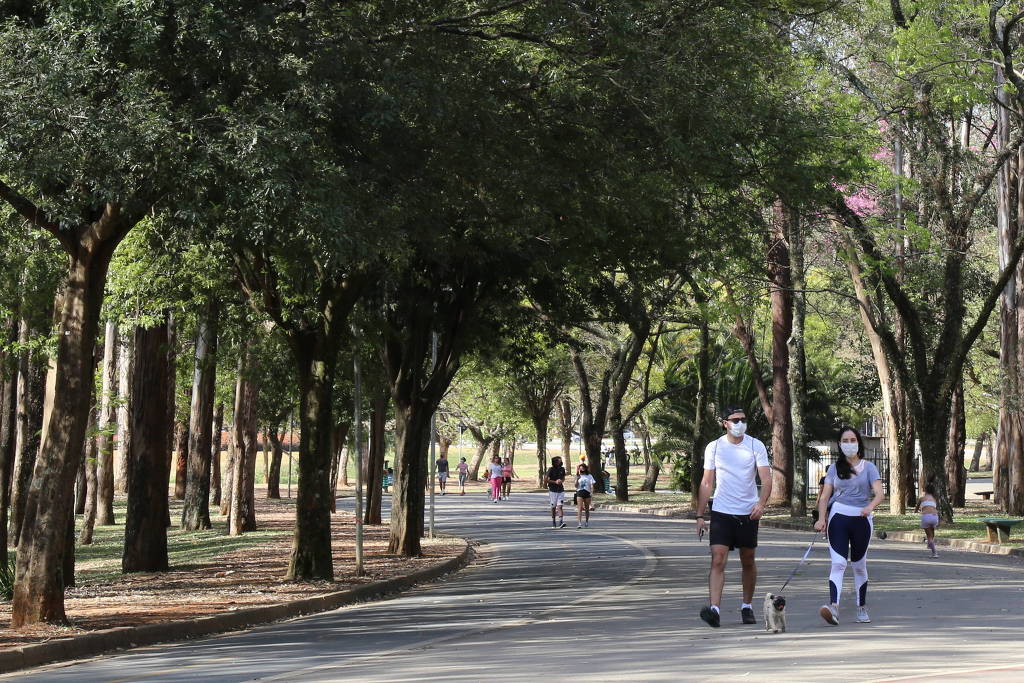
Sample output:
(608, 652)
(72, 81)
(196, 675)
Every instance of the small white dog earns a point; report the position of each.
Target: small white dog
(774, 613)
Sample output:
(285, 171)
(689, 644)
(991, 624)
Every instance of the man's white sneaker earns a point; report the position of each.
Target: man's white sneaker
(862, 616)
(830, 614)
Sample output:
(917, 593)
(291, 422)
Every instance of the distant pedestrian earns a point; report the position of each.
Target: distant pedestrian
(853, 489)
(494, 475)
(506, 478)
(555, 480)
(389, 479)
(929, 509)
(442, 472)
(584, 491)
(731, 464)
(463, 475)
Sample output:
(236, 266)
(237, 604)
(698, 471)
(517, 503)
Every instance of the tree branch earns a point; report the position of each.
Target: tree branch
(34, 215)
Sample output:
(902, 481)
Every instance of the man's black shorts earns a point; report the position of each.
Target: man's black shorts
(735, 531)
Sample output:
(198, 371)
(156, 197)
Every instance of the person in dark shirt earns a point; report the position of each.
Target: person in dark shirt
(555, 479)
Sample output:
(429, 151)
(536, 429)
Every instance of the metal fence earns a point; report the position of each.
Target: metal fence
(816, 469)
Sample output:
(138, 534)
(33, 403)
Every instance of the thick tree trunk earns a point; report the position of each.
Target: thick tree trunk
(375, 459)
(1008, 455)
(412, 428)
(215, 445)
(8, 417)
(120, 474)
(276, 454)
(31, 390)
(242, 511)
(956, 475)
(540, 427)
(933, 434)
(145, 529)
(593, 414)
(781, 294)
(39, 583)
(195, 512)
(311, 557)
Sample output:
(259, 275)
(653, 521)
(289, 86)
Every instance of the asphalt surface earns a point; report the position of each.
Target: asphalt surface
(619, 601)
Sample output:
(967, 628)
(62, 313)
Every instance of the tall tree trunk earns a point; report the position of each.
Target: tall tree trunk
(195, 512)
(8, 417)
(594, 413)
(798, 370)
(311, 558)
(39, 583)
(104, 513)
(375, 458)
(781, 294)
(540, 427)
(565, 421)
(145, 529)
(242, 512)
(697, 441)
(276, 454)
(339, 461)
(31, 390)
(979, 446)
(956, 475)
(228, 474)
(124, 374)
(89, 507)
(180, 456)
(215, 446)
(1009, 442)
(933, 419)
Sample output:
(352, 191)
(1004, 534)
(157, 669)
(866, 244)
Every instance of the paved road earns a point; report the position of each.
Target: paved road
(619, 601)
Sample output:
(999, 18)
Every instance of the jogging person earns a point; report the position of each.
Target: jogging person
(584, 490)
(731, 464)
(555, 479)
(463, 469)
(442, 472)
(506, 478)
(494, 475)
(853, 488)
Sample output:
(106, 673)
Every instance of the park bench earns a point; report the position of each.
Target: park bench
(986, 495)
(999, 528)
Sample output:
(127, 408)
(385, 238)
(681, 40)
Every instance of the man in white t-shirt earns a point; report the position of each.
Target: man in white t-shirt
(731, 464)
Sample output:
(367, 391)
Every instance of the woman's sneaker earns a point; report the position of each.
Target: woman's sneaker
(830, 614)
(862, 616)
(710, 617)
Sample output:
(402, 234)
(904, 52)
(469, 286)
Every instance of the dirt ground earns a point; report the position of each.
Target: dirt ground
(235, 580)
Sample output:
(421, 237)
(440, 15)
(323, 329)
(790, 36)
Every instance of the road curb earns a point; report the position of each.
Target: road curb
(902, 536)
(107, 640)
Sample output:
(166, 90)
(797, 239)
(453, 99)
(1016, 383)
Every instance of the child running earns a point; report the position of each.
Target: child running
(584, 491)
(463, 469)
(506, 478)
(929, 509)
(494, 474)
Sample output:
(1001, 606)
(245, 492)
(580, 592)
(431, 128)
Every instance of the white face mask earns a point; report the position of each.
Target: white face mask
(849, 449)
(738, 429)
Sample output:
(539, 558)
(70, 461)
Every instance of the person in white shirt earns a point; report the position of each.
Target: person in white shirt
(584, 490)
(732, 464)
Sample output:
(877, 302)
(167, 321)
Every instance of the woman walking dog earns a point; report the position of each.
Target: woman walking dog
(852, 491)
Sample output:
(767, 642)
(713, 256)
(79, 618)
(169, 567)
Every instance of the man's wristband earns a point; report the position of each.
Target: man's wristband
(700, 517)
